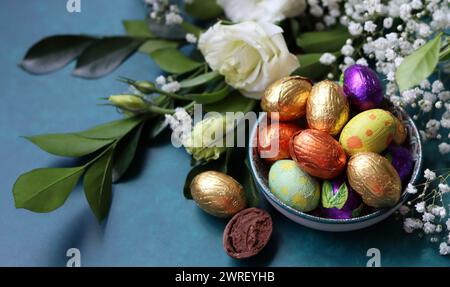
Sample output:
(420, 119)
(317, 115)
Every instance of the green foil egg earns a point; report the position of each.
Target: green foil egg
(369, 131)
(293, 186)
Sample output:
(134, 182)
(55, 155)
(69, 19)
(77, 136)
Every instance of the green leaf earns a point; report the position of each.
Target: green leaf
(419, 65)
(341, 196)
(311, 67)
(445, 54)
(105, 55)
(323, 41)
(173, 61)
(212, 97)
(98, 184)
(164, 31)
(199, 80)
(70, 145)
(137, 28)
(45, 189)
(327, 194)
(157, 127)
(151, 46)
(234, 102)
(203, 9)
(113, 129)
(190, 28)
(124, 153)
(55, 52)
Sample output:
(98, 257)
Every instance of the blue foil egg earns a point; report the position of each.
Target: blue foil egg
(293, 186)
(339, 200)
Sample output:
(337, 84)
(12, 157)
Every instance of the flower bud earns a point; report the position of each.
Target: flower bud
(130, 103)
(207, 140)
(145, 87)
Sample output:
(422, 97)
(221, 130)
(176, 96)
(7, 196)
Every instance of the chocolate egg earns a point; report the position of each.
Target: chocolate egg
(273, 140)
(218, 194)
(401, 159)
(247, 233)
(339, 200)
(286, 98)
(293, 186)
(375, 179)
(363, 87)
(327, 108)
(317, 153)
(371, 130)
(400, 132)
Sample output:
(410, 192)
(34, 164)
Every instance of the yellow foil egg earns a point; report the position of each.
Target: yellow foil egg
(400, 132)
(286, 98)
(218, 194)
(327, 108)
(371, 130)
(375, 179)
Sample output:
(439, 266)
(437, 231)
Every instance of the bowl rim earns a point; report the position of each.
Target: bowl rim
(252, 149)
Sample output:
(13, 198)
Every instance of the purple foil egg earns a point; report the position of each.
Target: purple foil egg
(339, 200)
(401, 159)
(363, 87)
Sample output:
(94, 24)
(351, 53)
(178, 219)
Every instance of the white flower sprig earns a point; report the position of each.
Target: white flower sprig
(427, 212)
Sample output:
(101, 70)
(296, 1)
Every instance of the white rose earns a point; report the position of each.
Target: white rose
(261, 10)
(250, 55)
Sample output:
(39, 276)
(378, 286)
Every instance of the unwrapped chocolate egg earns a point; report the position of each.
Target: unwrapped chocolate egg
(400, 132)
(218, 194)
(293, 186)
(363, 87)
(375, 179)
(317, 153)
(401, 159)
(339, 200)
(273, 140)
(327, 107)
(286, 98)
(371, 130)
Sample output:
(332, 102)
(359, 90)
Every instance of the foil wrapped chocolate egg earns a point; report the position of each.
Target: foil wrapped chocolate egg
(371, 130)
(375, 179)
(218, 194)
(401, 159)
(339, 200)
(273, 140)
(286, 98)
(363, 87)
(327, 107)
(317, 153)
(400, 132)
(293, 186)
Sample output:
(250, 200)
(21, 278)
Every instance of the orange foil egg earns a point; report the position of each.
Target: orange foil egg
(318, 153)
(286, 98)
(273, 140)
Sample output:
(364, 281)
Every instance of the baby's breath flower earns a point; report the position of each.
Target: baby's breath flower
(327, 59)
(404, 210)
(427, 217)
(430, 175)
(190, 38)
(171, 87)
(444, 248)
(429, 228)
(420, 207)
(443, 188)
(411, 189)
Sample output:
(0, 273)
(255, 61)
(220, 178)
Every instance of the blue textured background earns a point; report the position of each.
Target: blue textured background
(150, 223)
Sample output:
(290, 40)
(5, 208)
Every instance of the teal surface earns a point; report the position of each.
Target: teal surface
(150, 222)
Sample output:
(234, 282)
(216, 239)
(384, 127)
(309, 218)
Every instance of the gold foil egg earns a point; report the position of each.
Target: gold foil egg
(400, 132)
(327, 107)
(286, 98)
(317, 153)
(375, 179)
(218, 194)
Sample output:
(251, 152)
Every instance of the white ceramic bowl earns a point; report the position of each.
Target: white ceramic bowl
(260, 171)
